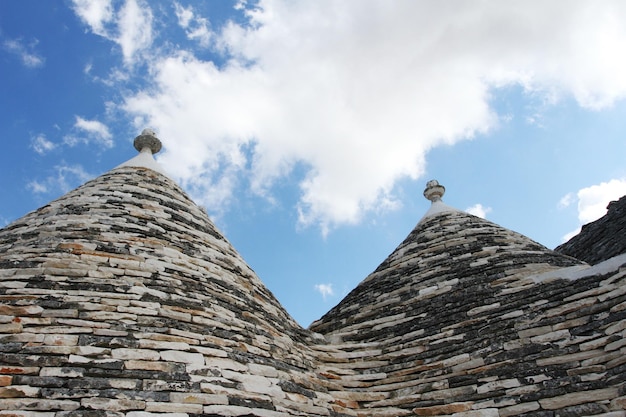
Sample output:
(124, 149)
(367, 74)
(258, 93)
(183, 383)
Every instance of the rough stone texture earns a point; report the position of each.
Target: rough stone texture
(602, 239)
(122, 299)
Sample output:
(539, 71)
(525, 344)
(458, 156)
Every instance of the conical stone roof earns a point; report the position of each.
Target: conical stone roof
(448, 251)
(122, 296)
(468, 319)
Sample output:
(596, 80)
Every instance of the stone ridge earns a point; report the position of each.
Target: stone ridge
(122, 298)
(602, 239)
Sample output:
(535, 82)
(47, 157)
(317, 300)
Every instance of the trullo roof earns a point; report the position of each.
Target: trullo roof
(122, 299)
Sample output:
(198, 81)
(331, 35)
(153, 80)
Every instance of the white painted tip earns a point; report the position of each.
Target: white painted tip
(147, 144)
(433, 192)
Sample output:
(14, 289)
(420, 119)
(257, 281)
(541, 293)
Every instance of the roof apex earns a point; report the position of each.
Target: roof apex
(147, 144)
(434, 192)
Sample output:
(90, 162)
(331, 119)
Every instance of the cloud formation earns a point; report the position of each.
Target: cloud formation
(325, 289)
(25, 52)
(42, 145)
(479, 210)
(129, 26)
(64, 178)
(196, 28)
(355, 91)
(87, 131)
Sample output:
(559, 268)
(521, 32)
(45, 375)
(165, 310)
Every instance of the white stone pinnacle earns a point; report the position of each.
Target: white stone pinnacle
(434, 191)
(147, 140)
(147, 144)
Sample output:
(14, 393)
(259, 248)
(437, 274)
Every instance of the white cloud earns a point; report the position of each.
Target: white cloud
(593, 201)
(359, 91)
(196, 28)
(135, 28)
(64, 179)
(130, 26)
(90, 131)
(42, 145)
(184, 15)
(566, 200)
(96, 14)
(479, 210)
(325, 289)
(37, 187)
(24, 52)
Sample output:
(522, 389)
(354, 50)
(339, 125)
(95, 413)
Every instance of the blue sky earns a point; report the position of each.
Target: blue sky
(309, 129)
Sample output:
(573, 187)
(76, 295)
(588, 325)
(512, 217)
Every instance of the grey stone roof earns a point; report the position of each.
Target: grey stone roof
(121, 298)
(467, 318)
(602, 239)
(449, 252)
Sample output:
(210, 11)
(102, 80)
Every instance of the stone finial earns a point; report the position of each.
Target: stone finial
(147, 140)
(434, 191)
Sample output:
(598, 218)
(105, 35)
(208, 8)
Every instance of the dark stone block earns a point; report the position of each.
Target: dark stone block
(139, 394)
(39, 381)
(64, 393)
(251, 403)
(108, 341)
(32, 360)
(18, 264)
(88, 383)
(458, 381)
(289, 386)
(581, 410)
(10, 347)
(117, 365)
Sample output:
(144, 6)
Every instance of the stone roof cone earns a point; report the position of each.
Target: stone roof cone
(122, 296)
(447, 249)
(469, 319)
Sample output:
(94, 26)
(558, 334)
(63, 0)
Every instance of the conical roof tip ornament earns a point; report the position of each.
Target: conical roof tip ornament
(147, 144)
(147, 140)
(434, 191)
